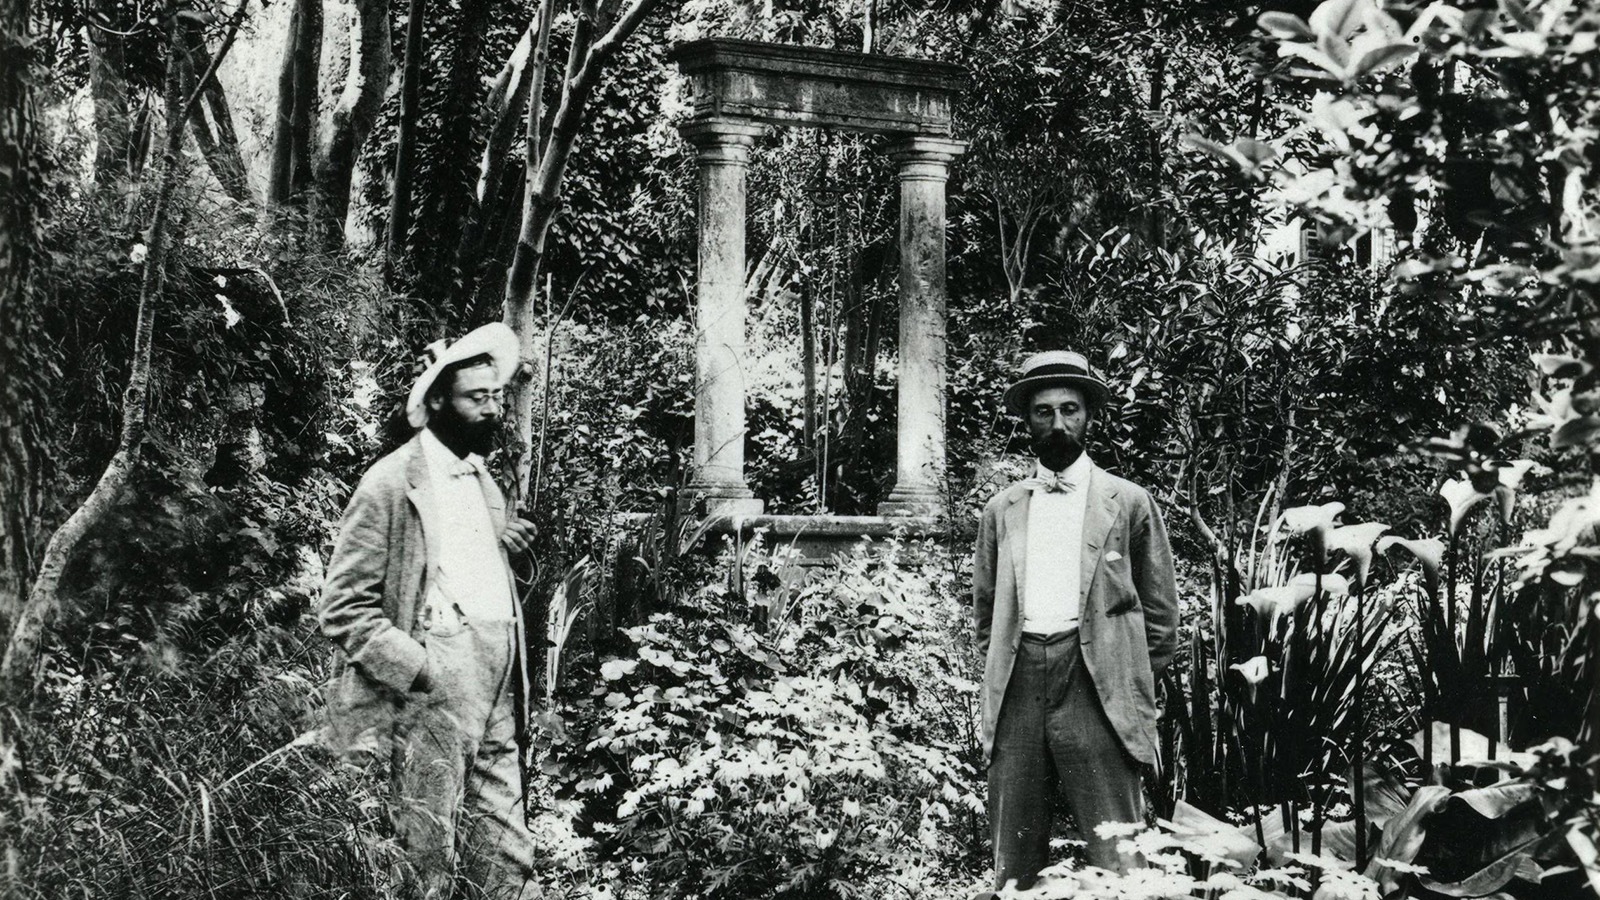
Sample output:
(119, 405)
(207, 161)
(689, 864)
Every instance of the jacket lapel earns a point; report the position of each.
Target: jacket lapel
(493, 499)
(1099, 514)
(1016, 540)
(420, 492)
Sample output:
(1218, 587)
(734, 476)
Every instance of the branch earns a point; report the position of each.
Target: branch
(626, 25)
(234, 22)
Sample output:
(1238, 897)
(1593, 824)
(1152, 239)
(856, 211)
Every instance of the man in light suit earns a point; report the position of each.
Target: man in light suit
(1076, 611)
(420, 600)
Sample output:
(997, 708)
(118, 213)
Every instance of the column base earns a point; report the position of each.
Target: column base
(708, 500)
(912, 501)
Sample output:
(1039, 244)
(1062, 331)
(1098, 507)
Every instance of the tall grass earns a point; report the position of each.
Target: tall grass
(161, 777)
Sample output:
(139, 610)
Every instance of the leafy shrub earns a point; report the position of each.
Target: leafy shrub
(829, 750)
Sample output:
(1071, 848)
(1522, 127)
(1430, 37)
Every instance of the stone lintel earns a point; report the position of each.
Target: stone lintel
(785, 84)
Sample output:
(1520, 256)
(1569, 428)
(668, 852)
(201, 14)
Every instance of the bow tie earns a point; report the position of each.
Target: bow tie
(467, 466)
(1052, 482)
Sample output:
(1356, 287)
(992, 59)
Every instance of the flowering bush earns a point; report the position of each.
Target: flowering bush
(827, 749)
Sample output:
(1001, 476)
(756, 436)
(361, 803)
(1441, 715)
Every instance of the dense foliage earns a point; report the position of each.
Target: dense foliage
(1384, 511)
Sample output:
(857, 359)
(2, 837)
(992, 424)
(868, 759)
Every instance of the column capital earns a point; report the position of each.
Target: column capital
(721, 138)
(925, 157)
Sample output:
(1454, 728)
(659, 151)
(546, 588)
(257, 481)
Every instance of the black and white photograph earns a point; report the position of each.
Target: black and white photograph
(799, 449)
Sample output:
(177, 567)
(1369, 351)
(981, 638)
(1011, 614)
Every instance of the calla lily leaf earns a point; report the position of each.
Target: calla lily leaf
(1428, 551)
(1226, 839)
(1474, 746)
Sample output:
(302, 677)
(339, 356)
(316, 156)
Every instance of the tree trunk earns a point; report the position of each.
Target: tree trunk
(291, 172)
(308, 59)
(27, 635)
(452, 190)
(1158, 87)
(406, 142)
(358, 106)
(547, 166)
(218, 141)
(114, 135)
(18, 463)
(507, 99)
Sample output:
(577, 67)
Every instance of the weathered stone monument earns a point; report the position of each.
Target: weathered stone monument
(739, 87)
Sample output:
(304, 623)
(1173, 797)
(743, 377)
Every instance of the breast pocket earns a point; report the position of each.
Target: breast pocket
(1119, 593)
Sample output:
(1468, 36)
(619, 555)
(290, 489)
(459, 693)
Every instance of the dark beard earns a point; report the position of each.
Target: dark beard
(1057, 449)
(461, 436)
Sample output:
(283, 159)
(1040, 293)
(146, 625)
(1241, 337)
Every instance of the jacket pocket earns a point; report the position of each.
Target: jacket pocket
(1120, 595)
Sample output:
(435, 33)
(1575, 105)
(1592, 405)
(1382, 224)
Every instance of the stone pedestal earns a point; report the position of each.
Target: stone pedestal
(718, 475)
(924, 166)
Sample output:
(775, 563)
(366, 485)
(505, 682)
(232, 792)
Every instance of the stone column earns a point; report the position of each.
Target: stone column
(919, 472)
(724, 155)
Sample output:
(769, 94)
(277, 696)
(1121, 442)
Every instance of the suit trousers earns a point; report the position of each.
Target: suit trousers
(456, 780)
(1053, 738)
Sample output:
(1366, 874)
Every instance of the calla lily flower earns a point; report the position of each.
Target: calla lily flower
(1311, 523)
(1511, 473)
(1300, 519)
(1272, 603)
(1429, 552)
(1552, 412)
(1254, 670)
(1355, 542)
(1462, 497)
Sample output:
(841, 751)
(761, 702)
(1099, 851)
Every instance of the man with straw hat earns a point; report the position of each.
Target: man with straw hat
(1076, 612)
(420, 600)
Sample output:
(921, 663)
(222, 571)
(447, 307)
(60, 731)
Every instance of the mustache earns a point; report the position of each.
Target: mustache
(1057, 449)
(1055, 441)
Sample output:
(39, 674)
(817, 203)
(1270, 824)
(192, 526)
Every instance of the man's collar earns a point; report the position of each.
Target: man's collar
(1075, 474)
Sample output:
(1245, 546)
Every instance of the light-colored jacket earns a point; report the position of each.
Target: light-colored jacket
(383, 560)
(1128, 616)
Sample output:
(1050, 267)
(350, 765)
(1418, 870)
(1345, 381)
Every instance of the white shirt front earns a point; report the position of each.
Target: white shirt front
(1052, 560)
(472, 573)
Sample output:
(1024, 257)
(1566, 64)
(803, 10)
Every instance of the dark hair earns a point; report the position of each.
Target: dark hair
(444, 385)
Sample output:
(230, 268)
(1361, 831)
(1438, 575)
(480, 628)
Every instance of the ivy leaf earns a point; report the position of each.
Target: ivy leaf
(1286, 26)
(1315, 56)
(1519, 14)
(1556, 365)
(1579, 432)
(1337, 18)
(1379, 58)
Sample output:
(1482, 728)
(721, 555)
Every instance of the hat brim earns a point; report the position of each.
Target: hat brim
(1017, 396)
(496, 339)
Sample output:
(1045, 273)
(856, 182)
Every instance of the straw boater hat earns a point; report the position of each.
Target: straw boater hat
(496, 339)
(1055, 368)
